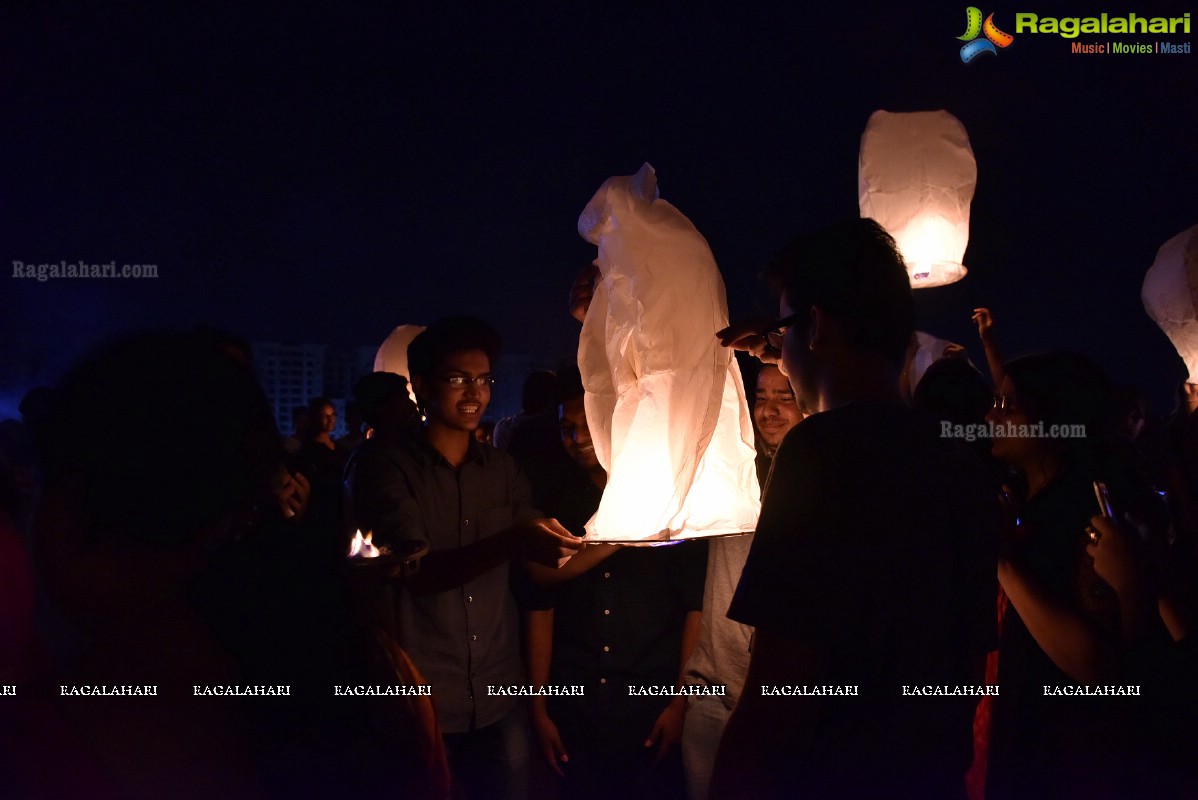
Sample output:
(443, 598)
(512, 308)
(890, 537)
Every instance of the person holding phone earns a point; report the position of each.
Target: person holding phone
(1060, 621)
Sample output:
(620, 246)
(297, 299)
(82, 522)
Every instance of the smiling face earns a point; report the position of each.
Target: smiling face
(456, 408)
(774, 411)
(576, 434)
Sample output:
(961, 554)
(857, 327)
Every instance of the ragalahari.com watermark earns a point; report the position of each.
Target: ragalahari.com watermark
(82, 270)
(1009, 430)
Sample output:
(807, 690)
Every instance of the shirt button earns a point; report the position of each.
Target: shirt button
(607, 612)
(469, 598)
(606, 649)
(465, 522)
(607, 574)
(603, 680)
(474, 637)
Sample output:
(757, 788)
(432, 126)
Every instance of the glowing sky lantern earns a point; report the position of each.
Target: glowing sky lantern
(915, 177)
(393, 354)
(664, 402)
(1170, 295)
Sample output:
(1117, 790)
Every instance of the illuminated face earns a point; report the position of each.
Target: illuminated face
(1008, 449)
(459, 408)
(775, 411)
(327, 419)
(576, 435)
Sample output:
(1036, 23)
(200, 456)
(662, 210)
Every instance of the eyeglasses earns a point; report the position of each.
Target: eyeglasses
(777, 331)
(462, 381)
(1003, 404)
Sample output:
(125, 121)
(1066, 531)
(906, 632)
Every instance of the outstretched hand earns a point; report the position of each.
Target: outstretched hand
(749, 336)
(545, 541)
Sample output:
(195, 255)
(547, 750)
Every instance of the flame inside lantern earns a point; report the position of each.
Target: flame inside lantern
(915, 176)
(361, 546)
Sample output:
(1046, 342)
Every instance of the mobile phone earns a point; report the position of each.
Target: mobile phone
(1104, 500)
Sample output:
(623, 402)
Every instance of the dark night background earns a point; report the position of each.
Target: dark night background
(324, 173)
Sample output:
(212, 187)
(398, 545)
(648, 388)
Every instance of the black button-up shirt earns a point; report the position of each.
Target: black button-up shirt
(462, 639)
(617, 626)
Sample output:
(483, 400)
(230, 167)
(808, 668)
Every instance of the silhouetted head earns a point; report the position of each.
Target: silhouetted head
(540, 389)
(852, 276)
(166, 433)
(1066, 390)
(384, 402)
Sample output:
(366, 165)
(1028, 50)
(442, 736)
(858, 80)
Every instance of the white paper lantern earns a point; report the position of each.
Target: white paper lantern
(1170, 295)
(929, 350)
(915, 177)
(664, 401)
(393, 353)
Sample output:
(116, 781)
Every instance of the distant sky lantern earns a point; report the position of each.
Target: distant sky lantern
(1170, 295)
(393, 354)
(916, 177)
(665, 403)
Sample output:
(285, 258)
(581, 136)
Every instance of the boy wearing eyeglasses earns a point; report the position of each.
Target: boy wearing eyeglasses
(471, 506)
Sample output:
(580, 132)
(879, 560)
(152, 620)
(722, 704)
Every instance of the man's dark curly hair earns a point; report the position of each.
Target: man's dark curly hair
(451, 335)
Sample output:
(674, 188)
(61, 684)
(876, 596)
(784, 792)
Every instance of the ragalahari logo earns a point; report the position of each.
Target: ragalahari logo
(974, 26)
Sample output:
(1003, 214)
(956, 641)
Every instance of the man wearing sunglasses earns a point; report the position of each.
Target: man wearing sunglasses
(872, 569)
(471, 506)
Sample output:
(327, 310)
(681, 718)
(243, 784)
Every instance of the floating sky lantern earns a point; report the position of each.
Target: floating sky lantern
(1170, 295)
(393, 354)
(665, 403)
(915, 177)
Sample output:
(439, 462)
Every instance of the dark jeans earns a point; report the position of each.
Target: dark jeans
(491, 763)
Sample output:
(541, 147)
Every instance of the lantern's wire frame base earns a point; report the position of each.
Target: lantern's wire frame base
(939, 273)
(665, 542)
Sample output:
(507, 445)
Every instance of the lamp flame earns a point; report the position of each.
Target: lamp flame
(361, 546)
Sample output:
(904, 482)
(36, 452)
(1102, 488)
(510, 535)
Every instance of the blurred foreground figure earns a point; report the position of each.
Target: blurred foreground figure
(176, 560)
(874, 559)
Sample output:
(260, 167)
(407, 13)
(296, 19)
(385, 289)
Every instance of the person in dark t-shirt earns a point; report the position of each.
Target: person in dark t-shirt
(873, 566)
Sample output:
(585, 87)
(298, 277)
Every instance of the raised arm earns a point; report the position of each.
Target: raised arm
(985, 323)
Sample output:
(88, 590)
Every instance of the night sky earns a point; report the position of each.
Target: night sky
(324, 173)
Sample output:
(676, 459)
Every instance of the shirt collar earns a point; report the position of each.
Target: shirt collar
(475, 451)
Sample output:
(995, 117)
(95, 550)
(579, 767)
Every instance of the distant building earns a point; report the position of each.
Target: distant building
(291, 374)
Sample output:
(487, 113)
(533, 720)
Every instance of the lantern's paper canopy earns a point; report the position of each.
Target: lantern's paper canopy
(929, 350)
(1170, 295)
(664, 401)
(393, 354)
(915, 177)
